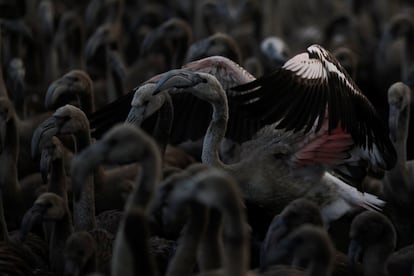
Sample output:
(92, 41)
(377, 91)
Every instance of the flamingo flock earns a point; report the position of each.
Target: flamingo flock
(206, 138)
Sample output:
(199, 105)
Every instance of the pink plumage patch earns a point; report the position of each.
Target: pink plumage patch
(323, 148)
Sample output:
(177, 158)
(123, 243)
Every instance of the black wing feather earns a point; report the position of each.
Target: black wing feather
(294, 103)
(103, 119)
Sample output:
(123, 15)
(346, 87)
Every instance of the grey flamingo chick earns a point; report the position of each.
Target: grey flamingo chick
(75, 86)
(186, 220)
(104, 63)
(309, 244)
(69, 41)
(398, 181)
(53, 166)
(109, 185)
(124, 144)
(80, 254)
(373, 239)
(171, 39)
(333, 195)
(143, 106)
(228, 72)
(51, 207)
(135, 234)
(297, 213)
(19, 257)
(17, 196)
(397, 185)
(216, 189)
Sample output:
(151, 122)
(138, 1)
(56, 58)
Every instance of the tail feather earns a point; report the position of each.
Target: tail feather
(354, 197)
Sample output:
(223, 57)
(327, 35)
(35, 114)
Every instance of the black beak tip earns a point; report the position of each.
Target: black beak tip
(156, 91)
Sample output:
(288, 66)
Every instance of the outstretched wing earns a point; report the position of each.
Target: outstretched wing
(296, 96)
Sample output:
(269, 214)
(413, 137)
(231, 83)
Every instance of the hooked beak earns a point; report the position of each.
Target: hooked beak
(136, 115)
(277, 231)
(283, 249)
(30, 218)
(58, 93)
(43, 132)
(101, 38)
(151, 39)
(45, 164)
(178, 78)
(17, 73)
(355, 252)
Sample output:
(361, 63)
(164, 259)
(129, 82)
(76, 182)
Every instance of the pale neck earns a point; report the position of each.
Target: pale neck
(147, 180)
(215, 133)
(84, 209)
(184, 259)
(236, 250)
(57, 182)
(62, 229)
(402, 133)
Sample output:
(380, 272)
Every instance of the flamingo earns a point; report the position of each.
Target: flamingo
(296, 152)
(373, 239)
(228, 72)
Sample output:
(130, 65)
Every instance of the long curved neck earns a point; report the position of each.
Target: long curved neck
(185, 256)
(57, 183)
(51, 71)
(215, 133)
(84, 209)
(235, 243)
(75, 55)
(147, 180)
(397, 180)
(115, 75)
(131, 251)
(402, 133)
(209, 256)
(62, 229)
(84, 140)
(141, 196)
